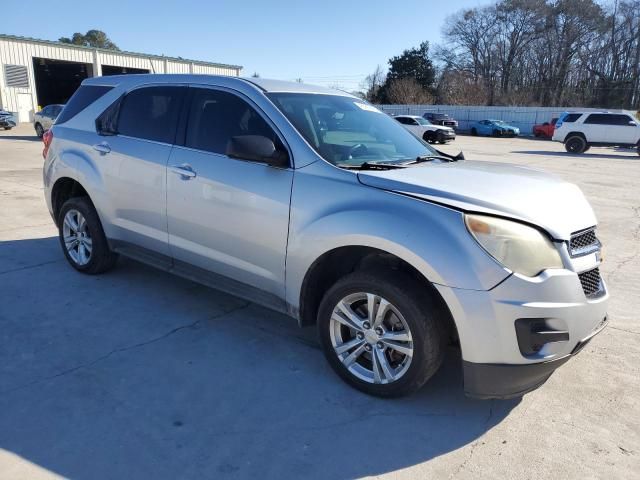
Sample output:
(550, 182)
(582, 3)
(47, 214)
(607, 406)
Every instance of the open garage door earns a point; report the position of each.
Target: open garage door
(57, 80)
(111, 70)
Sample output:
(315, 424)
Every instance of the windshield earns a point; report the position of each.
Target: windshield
(423, 121)
(498, 122)
(347, 131)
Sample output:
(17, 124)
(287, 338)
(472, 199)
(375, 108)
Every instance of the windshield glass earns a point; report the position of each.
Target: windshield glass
(347, 131)
(498, 122)
(423, 121)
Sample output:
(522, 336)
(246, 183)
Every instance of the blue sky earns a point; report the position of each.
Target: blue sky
(322, 42)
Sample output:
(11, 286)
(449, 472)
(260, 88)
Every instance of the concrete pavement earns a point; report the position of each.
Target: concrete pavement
(139, 374)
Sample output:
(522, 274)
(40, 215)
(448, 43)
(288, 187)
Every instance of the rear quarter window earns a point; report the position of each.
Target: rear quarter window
(81, 99)
(571, 117)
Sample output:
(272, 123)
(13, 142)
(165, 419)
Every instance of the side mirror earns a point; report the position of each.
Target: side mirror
(258, 149)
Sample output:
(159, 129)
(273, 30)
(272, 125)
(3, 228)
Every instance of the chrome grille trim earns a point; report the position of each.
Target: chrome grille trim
(584, 243)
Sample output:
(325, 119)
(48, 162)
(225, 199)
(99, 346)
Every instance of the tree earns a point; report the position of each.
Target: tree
(93, 38)
(414, 63)
(373, 83)
(406, 91)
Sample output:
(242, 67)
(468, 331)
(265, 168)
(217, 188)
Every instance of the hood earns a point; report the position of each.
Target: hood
(521, 193)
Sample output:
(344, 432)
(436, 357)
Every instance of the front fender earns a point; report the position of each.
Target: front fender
(333, 211)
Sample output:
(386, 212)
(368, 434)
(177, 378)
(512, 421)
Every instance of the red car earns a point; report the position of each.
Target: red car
(546, 129)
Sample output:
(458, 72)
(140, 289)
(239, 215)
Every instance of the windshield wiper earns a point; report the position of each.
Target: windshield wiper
(373, 166)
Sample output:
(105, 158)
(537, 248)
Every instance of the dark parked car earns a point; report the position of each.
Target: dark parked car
(441, 119)
(7, 120)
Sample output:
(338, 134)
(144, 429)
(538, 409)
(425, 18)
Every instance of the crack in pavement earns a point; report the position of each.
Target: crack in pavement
(122, 349)
(624, 330)
(28, 267)
(475, 444)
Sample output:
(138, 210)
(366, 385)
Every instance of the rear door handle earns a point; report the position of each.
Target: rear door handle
(103, 147)
(185, 171)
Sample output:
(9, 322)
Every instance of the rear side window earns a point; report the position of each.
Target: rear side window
(151, 113)
(84, 96)
(215, 117)
(607, 119)
(571, 117)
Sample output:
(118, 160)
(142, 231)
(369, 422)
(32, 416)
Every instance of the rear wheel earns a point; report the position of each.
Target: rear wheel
(380, 333)
(575, 144)
(8, 128)
(82, 238)
(39, 130)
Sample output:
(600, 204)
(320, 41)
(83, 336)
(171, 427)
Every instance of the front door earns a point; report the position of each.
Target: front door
(225, 215)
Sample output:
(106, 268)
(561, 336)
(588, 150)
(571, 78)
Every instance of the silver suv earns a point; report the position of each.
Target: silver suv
(316, 204)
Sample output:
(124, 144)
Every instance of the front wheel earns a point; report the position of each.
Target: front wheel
(82, 238)
(8, 128)
(474, 132)
(381, 333)
(39, 130)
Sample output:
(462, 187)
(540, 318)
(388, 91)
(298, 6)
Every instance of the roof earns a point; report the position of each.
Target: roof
(265, 85)
(408, 116)
(274, 86)
(17, 38)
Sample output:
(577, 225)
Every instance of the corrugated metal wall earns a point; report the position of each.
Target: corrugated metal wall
(19, 51)
(522, 117)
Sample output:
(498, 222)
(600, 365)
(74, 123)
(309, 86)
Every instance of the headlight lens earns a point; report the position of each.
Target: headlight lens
(518, 247)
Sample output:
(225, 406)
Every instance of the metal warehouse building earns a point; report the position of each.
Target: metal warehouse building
(36, 73)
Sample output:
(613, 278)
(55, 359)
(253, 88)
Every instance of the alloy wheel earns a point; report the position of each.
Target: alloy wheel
(77, 239)
(371, 338)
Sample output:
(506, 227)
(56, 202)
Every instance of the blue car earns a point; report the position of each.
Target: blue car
(494, 128)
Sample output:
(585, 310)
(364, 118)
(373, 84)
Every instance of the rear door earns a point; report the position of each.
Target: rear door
(134, 163)
(601, 127)
(226, 215)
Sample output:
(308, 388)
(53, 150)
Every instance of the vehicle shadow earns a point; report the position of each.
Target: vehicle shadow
(137, 373)
(585, 155)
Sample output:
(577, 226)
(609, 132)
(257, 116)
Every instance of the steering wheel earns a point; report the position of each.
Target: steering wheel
(358, 147)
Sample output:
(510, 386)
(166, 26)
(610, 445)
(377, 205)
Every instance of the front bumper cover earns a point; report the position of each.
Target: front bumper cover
(504, 381)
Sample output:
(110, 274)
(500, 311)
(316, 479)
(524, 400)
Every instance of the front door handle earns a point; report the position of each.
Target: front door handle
(103, 147)
(185, 171)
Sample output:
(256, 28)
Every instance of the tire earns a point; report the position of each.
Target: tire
(441, 138)
(474, 132)
(575, 144)
(429, 137)
(97, 258)
(417, 312)
(39, 130)
(7, 128)
(638, 148)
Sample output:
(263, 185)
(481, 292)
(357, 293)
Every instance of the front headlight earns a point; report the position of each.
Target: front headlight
(518, 247)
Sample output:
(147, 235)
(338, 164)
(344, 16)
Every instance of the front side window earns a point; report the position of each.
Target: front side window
(151, 113)
(346, 131)
(216, 117)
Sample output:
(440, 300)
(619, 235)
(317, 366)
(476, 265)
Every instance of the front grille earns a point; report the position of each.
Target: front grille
(591, 283)
(583, 243)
